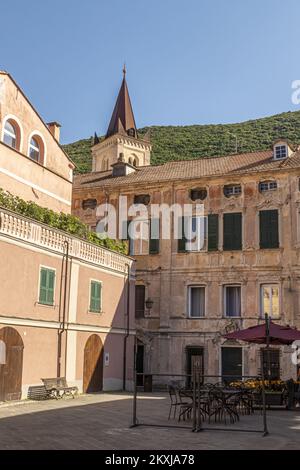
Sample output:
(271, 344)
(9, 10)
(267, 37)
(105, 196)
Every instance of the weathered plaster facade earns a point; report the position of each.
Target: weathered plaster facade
(64, 335)
(47, 182)
(167, 329)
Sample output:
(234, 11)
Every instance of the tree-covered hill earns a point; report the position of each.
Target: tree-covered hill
(186, 142)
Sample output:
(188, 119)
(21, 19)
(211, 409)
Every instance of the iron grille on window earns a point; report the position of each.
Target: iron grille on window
(271, 363)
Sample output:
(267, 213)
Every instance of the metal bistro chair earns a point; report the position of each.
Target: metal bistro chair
(222, 406)
(246, 402)
(176, 400)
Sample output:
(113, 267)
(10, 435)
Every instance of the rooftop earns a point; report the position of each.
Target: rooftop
(189, 169)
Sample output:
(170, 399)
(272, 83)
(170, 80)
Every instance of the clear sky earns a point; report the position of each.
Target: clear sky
(188, 61)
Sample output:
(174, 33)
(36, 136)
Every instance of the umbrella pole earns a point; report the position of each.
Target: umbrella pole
(267, 320)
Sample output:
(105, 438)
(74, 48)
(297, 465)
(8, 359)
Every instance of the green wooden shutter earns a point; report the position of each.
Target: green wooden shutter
(125, 234)
(43, 286)
(268, 229)
(124, 230)
(139, 301)
(232, 231)
(182, 240)
(95, 303)
(98, 287)
(154, 237)
(47, 281)
(213, 232)
(50, 286)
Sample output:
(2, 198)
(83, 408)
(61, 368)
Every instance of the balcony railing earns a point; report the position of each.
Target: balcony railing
(22, 228)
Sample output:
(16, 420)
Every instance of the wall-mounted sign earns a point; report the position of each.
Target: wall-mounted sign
(106, 359)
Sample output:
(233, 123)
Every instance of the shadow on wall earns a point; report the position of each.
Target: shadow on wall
(91, 349)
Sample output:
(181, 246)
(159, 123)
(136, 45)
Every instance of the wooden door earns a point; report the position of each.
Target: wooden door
(195, 363)
(93, 365)
(11, 364)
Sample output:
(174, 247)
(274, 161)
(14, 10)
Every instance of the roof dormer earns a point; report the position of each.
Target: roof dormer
(281, 149)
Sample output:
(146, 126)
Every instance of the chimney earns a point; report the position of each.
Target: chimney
(54, 128)
(121, 167)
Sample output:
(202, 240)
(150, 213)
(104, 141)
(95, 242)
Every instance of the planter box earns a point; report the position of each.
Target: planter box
(272, 398)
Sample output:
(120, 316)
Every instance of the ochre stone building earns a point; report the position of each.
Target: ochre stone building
(186, 300)
(66, 305)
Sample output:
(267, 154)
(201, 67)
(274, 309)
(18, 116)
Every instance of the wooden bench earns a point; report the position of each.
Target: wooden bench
(57, 387)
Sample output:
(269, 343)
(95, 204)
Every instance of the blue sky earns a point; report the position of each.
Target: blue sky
(188, 61)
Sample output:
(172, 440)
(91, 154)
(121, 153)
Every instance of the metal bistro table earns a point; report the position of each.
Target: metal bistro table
(209, 402)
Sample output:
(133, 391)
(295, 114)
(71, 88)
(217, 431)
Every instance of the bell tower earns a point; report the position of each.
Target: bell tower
(121, 137)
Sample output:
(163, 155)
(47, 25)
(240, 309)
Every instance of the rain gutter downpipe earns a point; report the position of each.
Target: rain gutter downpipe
(127, 327)
(63, 324)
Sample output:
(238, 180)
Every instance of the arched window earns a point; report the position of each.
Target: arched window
(11, 134)
(36, 149)
(130, 161)
(135, 162)
(2, 352)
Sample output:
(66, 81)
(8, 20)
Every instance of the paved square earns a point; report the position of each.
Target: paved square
(101, 421)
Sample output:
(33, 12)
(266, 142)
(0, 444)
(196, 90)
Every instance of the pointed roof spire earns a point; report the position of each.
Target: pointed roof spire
(122, 112)
(96, 139)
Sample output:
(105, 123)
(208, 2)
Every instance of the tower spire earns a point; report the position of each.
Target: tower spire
(122, 113)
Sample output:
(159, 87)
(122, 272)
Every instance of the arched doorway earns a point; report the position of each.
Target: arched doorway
(93, 365)
(11, 364)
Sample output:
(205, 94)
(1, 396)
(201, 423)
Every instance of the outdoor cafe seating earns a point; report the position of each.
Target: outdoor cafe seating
(218, 403)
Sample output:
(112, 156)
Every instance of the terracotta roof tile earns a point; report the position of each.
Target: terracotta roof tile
(189, 169)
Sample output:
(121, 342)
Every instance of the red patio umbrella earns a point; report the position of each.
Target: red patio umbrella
(266, 333)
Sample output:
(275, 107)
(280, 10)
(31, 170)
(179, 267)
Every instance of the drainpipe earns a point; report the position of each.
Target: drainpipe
(63, 323)
(127, 328)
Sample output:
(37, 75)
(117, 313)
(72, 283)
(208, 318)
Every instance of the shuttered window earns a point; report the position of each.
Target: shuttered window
(268, 229)
(213, 232)
(232, 231)
(154, 237)
(181, 233)
(95, 297)
(139, 301)
(47, 280)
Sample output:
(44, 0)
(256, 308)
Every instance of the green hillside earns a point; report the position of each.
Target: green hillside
(186, 142)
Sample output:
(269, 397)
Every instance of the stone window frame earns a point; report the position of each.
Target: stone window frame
(223, 297)
(280, 147)
(268, 183)
(233, 186)
(260, 299)
(189, 286)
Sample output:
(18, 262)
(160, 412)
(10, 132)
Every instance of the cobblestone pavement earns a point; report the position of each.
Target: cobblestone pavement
(101, 421)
